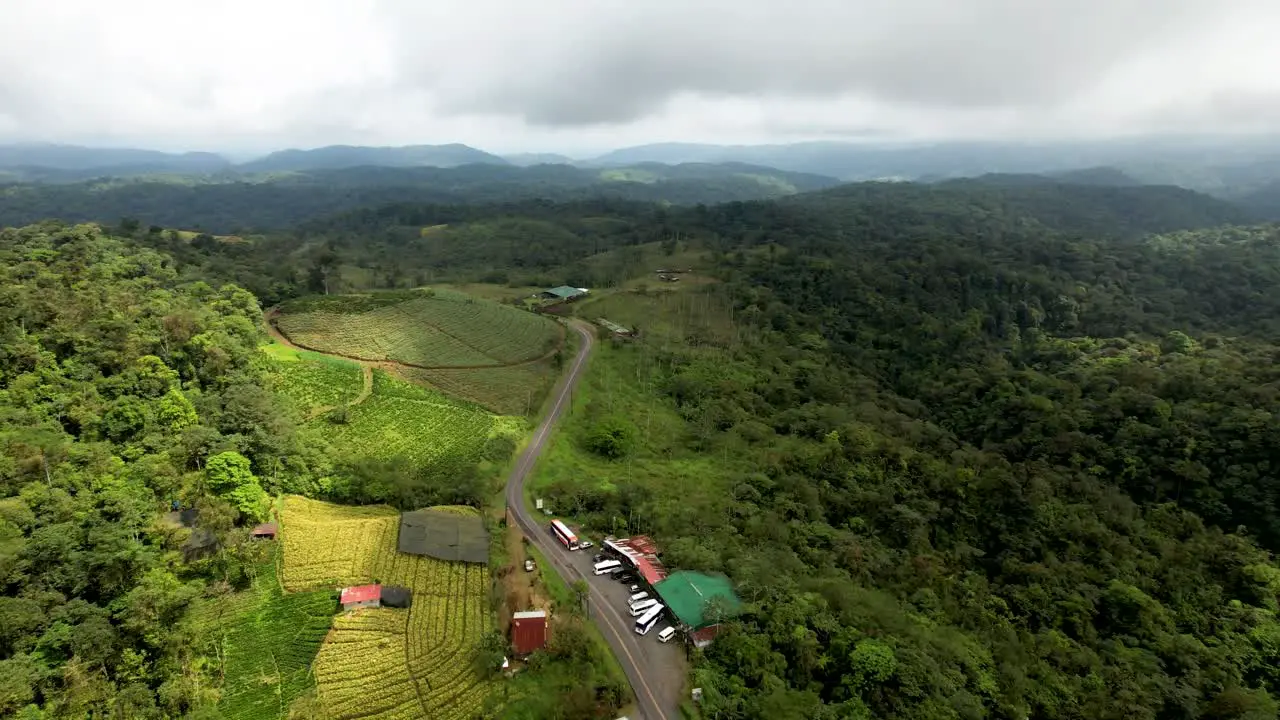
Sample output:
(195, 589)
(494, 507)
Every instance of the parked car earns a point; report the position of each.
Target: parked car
(528, 566)
(598, 557)
(586, 544)
(666, 634)
(627, 578)
(633, 589)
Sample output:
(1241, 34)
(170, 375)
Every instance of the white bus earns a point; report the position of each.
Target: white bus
(642, 607)
(564, 535)
(649, 619)
(631, 601)
(608, 566)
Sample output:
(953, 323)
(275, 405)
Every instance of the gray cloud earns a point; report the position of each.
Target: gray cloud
(931, 53)
(570, 74)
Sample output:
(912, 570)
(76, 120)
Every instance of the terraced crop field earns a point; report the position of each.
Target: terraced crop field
(512, 390)
(312, 380)
(266, 641)
(445, 329)
(389, 664)
(401, 418)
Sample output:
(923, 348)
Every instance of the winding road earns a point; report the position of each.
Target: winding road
(655, 670)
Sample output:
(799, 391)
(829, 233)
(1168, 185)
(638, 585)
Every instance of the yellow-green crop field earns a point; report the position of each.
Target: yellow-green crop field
(384, 663)
(445, 329)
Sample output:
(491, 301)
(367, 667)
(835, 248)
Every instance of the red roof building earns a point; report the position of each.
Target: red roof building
(528, 631)
(265, 530)
(641, 552)
(702, 638)
(361, 596)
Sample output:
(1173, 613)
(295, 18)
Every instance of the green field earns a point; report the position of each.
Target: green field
(312, 380)
(442, 329)
(417, 422)
(511, 390)
(266, 641)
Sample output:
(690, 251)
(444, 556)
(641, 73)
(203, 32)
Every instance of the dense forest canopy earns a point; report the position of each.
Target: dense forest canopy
(980, 450)
(236, 202)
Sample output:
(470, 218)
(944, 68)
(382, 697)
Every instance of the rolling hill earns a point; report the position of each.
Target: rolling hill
(347, 156)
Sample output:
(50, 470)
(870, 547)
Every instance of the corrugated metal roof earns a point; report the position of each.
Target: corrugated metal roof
(642, 552)
(528, 633)
(529, 614)
(564, 291)
(361, 593)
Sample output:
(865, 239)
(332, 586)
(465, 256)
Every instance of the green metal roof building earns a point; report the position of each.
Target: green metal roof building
(687, 593)
(564, 292)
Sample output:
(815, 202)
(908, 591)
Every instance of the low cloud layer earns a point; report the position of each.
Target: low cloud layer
(577, 74)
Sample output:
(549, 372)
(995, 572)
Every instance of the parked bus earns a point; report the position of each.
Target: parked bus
(649, 619)
(608, 566)
(564, 535)
(642, 607)
(637, 598)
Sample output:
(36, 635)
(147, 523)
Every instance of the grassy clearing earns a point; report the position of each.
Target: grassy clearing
(619, 384)
(386, 663)
(266, 640)
(686, 316)
(445, 329)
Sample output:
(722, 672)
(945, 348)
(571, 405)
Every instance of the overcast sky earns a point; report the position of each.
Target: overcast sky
(585, 75)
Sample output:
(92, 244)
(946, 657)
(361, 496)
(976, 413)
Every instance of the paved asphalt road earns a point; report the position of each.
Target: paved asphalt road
(655, 670)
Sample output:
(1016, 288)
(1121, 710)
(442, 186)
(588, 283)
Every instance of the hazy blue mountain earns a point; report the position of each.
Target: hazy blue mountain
(35, 158)
(530, 159)
(786, 182)
(1104, 176)
(350, 156)
(1211, 164)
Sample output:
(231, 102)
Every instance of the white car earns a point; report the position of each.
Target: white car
(528, 566)
(585, 544)
(666, 634)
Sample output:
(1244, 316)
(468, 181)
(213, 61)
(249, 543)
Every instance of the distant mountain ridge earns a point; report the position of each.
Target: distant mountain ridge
(1235, 168)
(347, 156)
(232, 202)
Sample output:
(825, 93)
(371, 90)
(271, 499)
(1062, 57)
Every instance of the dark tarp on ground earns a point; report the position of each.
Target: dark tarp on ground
(396, 596)
(444, 535)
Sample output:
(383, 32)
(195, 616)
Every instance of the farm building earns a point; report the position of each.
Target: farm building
(265, 531)
(641, 553)
(700, 601)
(528, 631)
(615, 328)
(564, 293)
(460, 538)
(396, 596)
(361, 596)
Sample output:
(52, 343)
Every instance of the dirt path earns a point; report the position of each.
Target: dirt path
(365, 392)
(278, 335)
(366, 368)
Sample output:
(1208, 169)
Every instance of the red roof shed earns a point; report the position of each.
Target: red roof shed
(265, 530)
(361, 594)
(528, 631)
